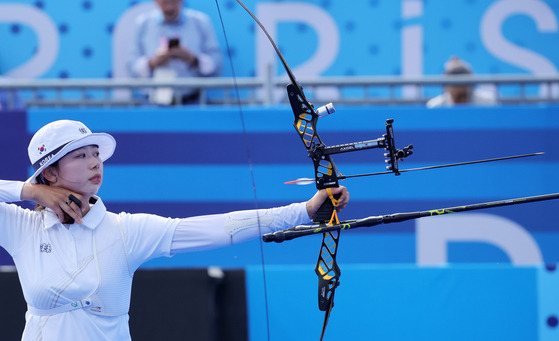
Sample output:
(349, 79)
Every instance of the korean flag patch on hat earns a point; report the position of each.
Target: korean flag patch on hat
(58, 138)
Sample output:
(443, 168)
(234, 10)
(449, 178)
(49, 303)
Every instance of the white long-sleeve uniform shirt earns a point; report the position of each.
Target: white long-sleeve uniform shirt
(60, 265)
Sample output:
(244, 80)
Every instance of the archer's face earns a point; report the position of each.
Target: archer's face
(171, 9)
(81, 171)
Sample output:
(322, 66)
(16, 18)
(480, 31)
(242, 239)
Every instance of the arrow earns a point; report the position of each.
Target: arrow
(308, 181)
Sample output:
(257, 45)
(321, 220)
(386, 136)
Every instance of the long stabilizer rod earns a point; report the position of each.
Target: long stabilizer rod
(306, 230)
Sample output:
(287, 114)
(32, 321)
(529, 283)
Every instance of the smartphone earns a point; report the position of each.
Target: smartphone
(174, 42)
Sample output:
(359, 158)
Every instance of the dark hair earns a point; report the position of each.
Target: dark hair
(456, 66)
(42, 181)
(458, 70)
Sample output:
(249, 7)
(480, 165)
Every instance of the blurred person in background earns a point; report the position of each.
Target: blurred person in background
(457, 94)
(173, 42)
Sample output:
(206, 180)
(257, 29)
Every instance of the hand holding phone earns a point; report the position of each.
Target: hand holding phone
(174, 42)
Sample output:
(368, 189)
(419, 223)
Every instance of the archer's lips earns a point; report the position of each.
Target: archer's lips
(96, 179)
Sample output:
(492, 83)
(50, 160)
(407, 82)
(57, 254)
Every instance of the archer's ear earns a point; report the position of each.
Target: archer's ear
(50, 174)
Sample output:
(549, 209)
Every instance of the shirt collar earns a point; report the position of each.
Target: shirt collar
(180, 20)
(92, 219)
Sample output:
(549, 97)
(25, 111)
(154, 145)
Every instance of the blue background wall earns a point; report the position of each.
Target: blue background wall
(190, 161)
(373, 30)
(408, 303)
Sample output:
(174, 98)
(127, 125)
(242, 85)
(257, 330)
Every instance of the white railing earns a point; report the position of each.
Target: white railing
(266, 91)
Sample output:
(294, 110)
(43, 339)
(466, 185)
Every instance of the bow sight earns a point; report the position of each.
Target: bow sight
(386, 141)
(326, 172)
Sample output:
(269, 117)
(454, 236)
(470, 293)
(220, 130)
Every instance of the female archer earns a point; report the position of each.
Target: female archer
(75, 260)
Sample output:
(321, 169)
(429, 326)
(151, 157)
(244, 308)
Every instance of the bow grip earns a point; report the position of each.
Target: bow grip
(324, 213)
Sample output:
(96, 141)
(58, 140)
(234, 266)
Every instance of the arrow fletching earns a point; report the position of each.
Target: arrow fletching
(301, 181)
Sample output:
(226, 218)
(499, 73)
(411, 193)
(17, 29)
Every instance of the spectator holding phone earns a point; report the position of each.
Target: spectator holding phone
(174, 42)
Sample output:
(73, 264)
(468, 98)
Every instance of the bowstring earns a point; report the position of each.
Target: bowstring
(250, 163)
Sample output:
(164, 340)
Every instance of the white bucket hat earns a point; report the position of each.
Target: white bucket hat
(58, 138)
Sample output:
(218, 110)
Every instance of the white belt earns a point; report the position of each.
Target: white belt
(81, 304)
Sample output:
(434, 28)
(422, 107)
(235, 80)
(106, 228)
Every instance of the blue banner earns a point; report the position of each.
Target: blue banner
(194, 162)
(377, 302)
